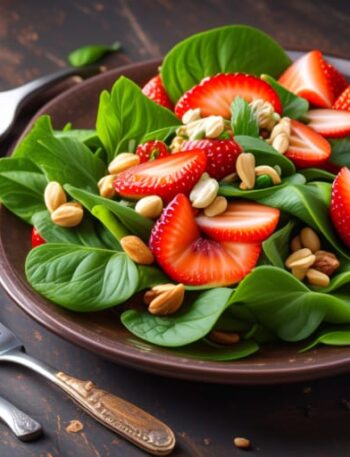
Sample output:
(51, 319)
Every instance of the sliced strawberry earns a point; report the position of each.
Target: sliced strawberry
(215, 94)
(307, 148)
(342, 103)
(336, 80)
(306, 78)
(165, 177)
(242, 221)
(152, 150)
(155, 91)
(221, 155)
(37, 239)
(191, 259)
(340, 205)
(329, 122)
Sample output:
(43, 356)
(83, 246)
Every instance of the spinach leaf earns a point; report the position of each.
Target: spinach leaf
(293, 106)
(316, 174)
(127, 115)
(161, 134)
(22, 186)
(340, 151)
(150, 276)
(87, 136)
(276, 247)
(229, 49)
(42, 127)
(91, 53)
(110, 221)
(190, 324)
(81, 278)
(137, 224)
(243, 120)
(204, 351)
(265, 154)
(335, 337)
(86, 234)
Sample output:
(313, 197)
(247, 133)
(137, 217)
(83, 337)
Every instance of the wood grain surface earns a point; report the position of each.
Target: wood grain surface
(310, 420)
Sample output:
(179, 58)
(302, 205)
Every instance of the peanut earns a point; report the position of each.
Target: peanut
(168, 302)
(54, 196)
(245, 167)
(218, 206)
(150, 206)
(68, 215)
(317, 278)
(137, 250)
(122, 162)
(309, 239)
(303, 258)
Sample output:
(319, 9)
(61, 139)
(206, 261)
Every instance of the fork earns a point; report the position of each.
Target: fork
(122, 417)
(11, 101)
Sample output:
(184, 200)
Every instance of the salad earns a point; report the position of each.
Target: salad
(218, 195)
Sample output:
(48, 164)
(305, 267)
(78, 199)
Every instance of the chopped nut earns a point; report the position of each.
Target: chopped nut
(218, 206)
(105, 186)
(137, 250)
(54, 196)
(303, 258)
(245, 167)
(150, 206)
(168, 302)
(221, 337)
(299, 273)
(284, 126)
(317, 278)
(74, 426)
(310, 239)
(68, 215)
(191, 115)
(326, 262)
(269, 171)
(122, 162)
(295, 244)
(281, 143)
(204, 192)
(242, 443)
(265, 113)
(176, 144)
(214, 126)
(155, 291)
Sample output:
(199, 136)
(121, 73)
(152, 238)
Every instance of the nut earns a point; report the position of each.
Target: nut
(155, 291)
(150, 206)
(218, 206)
(137, 250)
(191, 115)
(303, 258)
(242, 443)
(204, 192)
(105, 186)
(326, 262)
(54, 196)
(214, 126)
(68, 215)
(168, 301)
(74, 426)
(269, 171)
(299, 273)
(245, 167)
(281, 143)
(232, 177)
(227, 338)
(265, 113)
(295, 244)
(284, 126)
(122, 162)
(317, 278)
(176, 144)
(309, 239)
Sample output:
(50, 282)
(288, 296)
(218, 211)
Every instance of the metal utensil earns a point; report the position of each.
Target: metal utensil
(23, 426)
(124, 418)
(11, 101)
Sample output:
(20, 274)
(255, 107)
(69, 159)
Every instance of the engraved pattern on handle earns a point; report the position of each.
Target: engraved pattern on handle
(122, 417)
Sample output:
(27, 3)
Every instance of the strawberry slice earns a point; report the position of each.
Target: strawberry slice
(165, 177)
(221, 155)
(329, 122)
(340, 205)
(335, 79)
(37, 239)
(307, 148)
(156, 92)
(306, 77)
(187, 257)
(342, 103)
(242, 221)
(215, 94)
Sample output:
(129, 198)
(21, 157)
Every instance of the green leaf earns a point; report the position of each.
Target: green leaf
(110, 221)
(137, 224)
(265, 154)
(22, 187)
(293, 106)
(190, 324)
(243, 120)
(87, 136)
(91, 53)
(340, 151)
(334, 337)
(42, 127)
(203, 351)
(163, 134)
(276, 247)
(229, 49)
(81, 278)
(150, 276)
(128, 115)
(316, 174)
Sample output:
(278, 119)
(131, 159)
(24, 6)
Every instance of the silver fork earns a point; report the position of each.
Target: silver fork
(11, 101)
(122, 417)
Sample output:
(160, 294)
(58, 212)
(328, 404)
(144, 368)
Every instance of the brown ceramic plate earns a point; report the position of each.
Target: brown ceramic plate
(102, 332)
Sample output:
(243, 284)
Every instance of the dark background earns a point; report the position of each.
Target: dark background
(304, 420)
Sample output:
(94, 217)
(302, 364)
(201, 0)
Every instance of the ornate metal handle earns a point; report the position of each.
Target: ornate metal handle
(134, 424)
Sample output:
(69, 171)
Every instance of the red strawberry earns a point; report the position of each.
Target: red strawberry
(37, 239)
(221, 155)
(340, 205)
(307, 148)
(306, 77)
(335, 79)
(215, 94)
(165, 177)
(152, 150)
(242, 221)
(155, 91)
(329, 122)
(191, 259)
(343, 101)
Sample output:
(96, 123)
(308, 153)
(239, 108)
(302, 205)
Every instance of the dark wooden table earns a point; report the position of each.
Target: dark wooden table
(311, 420)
